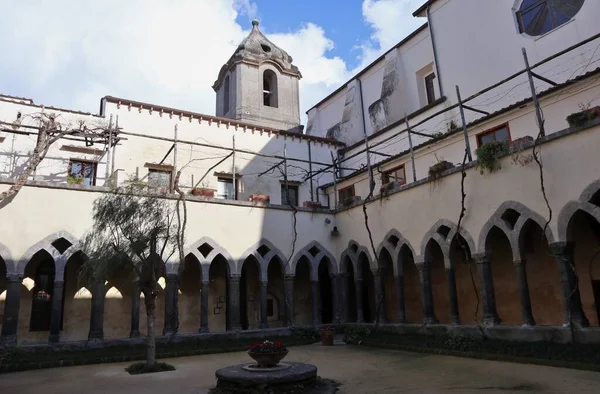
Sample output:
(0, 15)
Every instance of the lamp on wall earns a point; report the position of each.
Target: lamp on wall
(335, 232)
(327, 221)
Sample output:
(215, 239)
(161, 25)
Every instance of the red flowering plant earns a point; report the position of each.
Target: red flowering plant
(267, 347)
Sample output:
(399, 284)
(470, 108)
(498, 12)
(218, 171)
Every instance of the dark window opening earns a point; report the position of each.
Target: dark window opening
(538, 17)
(43, 291)
(346, 194)
(61, 245)
(394, 175)
(82, 172)
(159, 181)
(429, 88)
(291, 197)
(226, 95)
(501, 134)
(270, 89)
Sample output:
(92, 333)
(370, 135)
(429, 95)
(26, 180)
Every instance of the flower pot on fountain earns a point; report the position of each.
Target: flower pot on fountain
(267, 354)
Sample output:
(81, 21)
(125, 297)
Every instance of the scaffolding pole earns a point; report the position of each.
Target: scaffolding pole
(233, 167)
(410, 144)
(107, 170)
(335, 194)
(310, 171)
(536, 103)
(285, 177)
(174, 158)
(464, 124)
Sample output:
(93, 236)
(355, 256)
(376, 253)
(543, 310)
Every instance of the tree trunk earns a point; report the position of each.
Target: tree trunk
(149, 300)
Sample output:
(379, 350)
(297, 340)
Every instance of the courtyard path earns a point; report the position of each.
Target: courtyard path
(361, 370)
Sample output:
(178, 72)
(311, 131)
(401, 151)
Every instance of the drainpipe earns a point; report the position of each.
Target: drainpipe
(435, 55)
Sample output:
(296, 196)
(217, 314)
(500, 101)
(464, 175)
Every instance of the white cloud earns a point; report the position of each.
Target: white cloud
(391, 21)
(70, 53)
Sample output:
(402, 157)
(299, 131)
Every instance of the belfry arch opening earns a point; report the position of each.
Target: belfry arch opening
(270, 89)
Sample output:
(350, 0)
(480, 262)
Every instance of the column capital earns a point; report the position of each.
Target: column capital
(422, 265)
(560, 248)
(235, 277)
(519, 262)
(59, 283)
(171, 277)
(356, 280)
(205, 282)
(335, 276)
(264, 282)
(480, 258)
(12, 278)
(289, 277)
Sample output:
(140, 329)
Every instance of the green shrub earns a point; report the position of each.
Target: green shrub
(356, 334)
(139, 368)
(305, 333)
(488, 155)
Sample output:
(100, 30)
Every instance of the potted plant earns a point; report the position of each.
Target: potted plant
(201, 191)
(75, 180)
(583, 117)
(312, 204)
(261, 198)
(327, 333)
(436, 170)
(488, 155)
(267, 353)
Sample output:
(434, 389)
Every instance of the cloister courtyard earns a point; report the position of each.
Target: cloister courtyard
(358, 369)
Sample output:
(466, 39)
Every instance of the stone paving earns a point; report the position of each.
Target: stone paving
(360, 369)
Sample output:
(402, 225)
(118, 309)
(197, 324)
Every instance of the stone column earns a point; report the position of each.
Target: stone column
(288, 284)
(335, 298)
(135, 309)
(171, 322)
(234, 302)
(453, 297)
(344, 291)
(204, 307)
(563, 253)
(426, 294)
(263, 305)
(316, 303)
(379, 297)
(11, 309)
(488, 295)
(360, 316)
(56, 316)
(526, 314)
(400, 299)
(97, 314)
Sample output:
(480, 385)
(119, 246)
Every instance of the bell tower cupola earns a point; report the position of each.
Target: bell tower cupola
(259, 85)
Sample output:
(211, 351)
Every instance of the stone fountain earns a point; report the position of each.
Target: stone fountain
(268, 375)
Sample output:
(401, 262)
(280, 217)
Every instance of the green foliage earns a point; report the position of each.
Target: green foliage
(139, 368)
(132, 231)
(74, 180)
(580, 119)
(356, 334)
(488, 155)
(305, 333)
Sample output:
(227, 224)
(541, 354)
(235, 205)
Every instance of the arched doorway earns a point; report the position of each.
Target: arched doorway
(439, 281)
(409, 275)
(390, 297)
(499, 252)
(467, 281)
(368, 289)
(37, 293)
(218, 303)
(275, 294)
(250, 294)
(303, 293)
(350, 290)
(189, 299)
(325, 291)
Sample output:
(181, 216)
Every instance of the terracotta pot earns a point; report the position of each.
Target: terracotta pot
(326, 338)
(265, 360)
(312, 204)
(203, 192)
(259, 198)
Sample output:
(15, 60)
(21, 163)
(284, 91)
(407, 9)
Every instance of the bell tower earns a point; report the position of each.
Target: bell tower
(259, 85)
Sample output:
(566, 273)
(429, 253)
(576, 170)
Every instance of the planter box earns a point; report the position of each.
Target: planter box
(312, 204)
(199, 191)
(582, 118)
(350, 201)
(326, 338)
(259, 198)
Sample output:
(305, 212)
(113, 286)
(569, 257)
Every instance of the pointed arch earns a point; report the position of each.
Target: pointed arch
(6, 255)
(567, 213)
(263, 251)
(314, 252)
(206, 257)
(590, 191)
(443, 232)
(393, 242)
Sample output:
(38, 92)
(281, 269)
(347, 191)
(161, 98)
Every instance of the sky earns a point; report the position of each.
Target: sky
(71, 53)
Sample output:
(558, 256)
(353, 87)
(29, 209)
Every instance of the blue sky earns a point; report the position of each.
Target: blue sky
(344, 25)
(169, 52)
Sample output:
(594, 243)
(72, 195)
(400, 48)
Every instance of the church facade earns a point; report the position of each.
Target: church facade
(389, 205)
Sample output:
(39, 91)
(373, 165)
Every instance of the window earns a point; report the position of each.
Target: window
(538, 17)
(41, 306)
(225, 188)
(346, 194)
(501, 133)
(429, 88)
(292, 195)
(82, 172)
(159, 181)
(395, 174)
(270, 89)
(226, 95)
